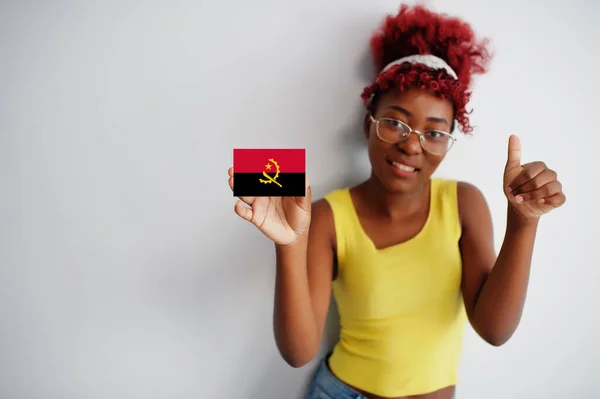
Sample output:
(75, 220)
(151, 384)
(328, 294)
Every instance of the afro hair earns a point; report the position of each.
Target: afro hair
(416, 30)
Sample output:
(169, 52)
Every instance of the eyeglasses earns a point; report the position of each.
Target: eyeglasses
(394, 131)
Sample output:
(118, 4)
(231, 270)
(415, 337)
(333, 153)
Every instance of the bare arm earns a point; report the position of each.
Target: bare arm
(494, 288)
(303, 288)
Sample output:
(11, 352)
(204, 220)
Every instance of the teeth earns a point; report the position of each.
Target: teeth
(403, 167)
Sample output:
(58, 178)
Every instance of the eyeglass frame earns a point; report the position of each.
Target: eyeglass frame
(411, 130)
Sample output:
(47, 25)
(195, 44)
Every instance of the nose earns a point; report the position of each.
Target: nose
(412, 145)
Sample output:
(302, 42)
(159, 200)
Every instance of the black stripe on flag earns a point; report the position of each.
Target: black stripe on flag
(287, 185)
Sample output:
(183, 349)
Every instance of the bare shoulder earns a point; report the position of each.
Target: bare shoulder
(472, 204)
(468, 192)
(322, 208)
(322, 222)
(321, 212)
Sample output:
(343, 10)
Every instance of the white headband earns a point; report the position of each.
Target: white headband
(428, 60)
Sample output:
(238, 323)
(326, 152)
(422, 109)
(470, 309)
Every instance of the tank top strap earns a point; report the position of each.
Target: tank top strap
(444, 215)
(345, 221)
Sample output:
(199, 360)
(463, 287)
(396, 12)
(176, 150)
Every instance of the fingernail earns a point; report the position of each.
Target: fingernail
(519, 199)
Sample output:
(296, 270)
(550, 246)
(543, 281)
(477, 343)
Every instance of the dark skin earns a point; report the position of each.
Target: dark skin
(392, 210)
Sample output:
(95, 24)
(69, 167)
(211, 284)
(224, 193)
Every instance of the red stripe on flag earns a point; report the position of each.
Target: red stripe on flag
(251, 160)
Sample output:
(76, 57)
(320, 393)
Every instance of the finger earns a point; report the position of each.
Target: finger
(514, 153)
(529, 171)
(304, 201)
(307, 193)
(545, 191)
(555, 200)
(544, 177)
(247, 200)
(243, 211)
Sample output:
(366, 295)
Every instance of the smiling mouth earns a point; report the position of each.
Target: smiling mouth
(403, 167)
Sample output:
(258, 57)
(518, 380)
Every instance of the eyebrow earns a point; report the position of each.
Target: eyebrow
(409, 114)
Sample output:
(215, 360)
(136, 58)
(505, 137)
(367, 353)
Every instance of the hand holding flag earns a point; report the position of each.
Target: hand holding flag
(278, 199)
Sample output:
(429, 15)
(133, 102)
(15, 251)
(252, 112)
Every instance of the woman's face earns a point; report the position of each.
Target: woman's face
(405, 166)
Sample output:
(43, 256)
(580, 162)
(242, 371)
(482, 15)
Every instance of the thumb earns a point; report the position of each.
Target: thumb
(514, 153)
(308, 191)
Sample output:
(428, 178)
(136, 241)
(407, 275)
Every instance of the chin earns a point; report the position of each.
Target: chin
(401, 187)
(398, 181)
(394, 185)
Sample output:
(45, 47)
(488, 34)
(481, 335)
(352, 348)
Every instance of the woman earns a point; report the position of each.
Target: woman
(409, 258)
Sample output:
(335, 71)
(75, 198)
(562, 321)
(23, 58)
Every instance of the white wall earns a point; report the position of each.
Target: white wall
(124, 272)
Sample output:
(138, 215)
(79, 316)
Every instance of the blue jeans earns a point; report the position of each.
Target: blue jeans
(325, 385)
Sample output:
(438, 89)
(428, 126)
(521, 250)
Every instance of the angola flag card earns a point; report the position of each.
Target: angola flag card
(277, 172)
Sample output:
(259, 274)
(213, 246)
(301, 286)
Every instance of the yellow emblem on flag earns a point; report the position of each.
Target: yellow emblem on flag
(271, 179)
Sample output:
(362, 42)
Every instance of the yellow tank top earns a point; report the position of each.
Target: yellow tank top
(401, 309)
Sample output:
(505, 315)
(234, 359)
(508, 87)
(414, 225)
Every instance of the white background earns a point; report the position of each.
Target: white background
(124, 272)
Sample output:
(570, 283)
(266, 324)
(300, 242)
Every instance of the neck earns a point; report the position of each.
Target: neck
(394, 205)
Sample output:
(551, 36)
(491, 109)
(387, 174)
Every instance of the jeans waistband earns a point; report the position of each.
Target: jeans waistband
(326, 384)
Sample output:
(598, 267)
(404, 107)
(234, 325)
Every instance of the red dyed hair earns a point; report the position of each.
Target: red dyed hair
(417, 30)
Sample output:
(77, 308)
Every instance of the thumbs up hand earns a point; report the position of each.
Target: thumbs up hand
(531, 189)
